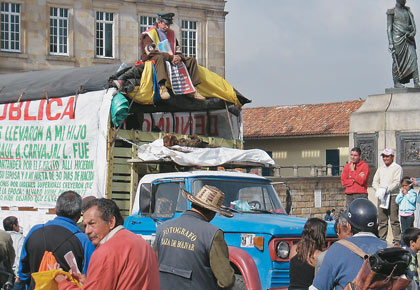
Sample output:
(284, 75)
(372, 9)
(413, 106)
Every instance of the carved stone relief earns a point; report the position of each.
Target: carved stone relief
(408, 148)
(368, 144)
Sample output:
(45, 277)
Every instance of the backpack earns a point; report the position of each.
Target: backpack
(386, 269)
(48, 259)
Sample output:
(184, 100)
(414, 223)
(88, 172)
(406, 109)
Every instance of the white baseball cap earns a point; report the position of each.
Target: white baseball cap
(387, 152)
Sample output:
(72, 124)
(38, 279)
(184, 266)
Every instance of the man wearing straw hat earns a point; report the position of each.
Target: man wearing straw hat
(192, 253)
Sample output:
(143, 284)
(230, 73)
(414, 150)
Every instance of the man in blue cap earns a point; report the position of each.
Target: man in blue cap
(160, 44)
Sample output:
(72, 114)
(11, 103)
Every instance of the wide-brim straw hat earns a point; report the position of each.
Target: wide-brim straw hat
(209, 197)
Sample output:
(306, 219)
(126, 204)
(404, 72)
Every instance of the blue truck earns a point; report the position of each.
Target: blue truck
(259, 236)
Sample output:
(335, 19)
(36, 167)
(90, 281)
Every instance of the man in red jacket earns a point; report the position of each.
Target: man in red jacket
(355, 177)
(122, 260)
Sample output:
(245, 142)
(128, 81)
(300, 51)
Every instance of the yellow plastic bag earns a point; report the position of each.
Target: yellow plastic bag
(45, 280)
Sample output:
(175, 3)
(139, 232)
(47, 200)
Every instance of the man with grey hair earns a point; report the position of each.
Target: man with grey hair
(59, 236)
(122, 260)
(343, 230)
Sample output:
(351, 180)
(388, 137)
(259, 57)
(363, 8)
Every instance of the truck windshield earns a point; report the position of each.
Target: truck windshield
(245, 195)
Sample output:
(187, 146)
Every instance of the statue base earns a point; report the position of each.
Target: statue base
(401, 90)
(389, 121)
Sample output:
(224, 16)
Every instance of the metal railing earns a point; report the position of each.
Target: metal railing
(314, 170)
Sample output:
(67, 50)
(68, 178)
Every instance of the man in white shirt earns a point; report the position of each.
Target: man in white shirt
(11, 225)
(386, 182)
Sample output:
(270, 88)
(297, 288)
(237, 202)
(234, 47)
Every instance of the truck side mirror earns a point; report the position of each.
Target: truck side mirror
(146, 199)
(288, 201)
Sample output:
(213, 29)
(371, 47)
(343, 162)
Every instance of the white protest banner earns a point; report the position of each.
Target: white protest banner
(50, 146)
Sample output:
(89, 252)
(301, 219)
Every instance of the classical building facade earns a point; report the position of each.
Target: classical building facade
(53, 34)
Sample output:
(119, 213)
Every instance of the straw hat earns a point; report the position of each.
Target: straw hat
(209, 197)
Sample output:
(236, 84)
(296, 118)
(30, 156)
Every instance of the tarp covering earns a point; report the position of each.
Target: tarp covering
(156, 151)
(56, 83)
(37, 85)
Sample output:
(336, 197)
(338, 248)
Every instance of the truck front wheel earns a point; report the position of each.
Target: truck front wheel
(239, 283)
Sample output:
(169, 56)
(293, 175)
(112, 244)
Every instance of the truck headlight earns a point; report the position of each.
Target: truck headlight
(283, 250)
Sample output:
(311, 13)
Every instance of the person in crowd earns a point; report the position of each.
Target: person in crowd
(416, 182)
(201, 261)
(328, 216)
(85, 202)
(341, 265)
(355, 177)
(342, 231)
(59, 236)
(333, 214)
(411, 238)
(304, 254)
(11, 225)
(7, 255)
(406, 200)
(386, 183)
(122, 260)
(151, 43)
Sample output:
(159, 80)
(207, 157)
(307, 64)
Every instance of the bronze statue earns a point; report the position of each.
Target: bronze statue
(401, 30)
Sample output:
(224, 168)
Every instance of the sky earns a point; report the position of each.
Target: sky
(287, 52)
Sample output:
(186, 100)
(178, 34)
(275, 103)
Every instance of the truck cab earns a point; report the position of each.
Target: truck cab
(259, 236)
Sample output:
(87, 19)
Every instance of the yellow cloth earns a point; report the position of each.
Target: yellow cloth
(212, 86)
(45, 280)
(144, 94)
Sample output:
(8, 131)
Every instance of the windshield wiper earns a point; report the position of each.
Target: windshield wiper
(261, 210)
(230, 209)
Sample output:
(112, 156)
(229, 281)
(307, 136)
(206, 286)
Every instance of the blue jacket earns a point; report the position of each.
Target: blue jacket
(60, 236)
(407, 201)
(341, 265)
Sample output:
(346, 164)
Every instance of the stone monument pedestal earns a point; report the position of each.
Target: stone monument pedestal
(390, 120)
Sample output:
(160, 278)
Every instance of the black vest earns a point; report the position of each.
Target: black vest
(183, 246)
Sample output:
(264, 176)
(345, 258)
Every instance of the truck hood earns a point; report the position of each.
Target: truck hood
(275, 225)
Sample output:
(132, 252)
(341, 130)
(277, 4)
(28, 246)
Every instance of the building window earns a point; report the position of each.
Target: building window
(104, 34)
(10, 27)
(146, 22)
(189, 38)
(59, 27)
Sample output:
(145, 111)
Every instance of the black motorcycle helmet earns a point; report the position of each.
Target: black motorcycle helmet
(362, 215)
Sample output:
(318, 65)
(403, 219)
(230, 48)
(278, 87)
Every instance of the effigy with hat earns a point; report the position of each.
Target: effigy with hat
(209, 197)
(165, 17)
